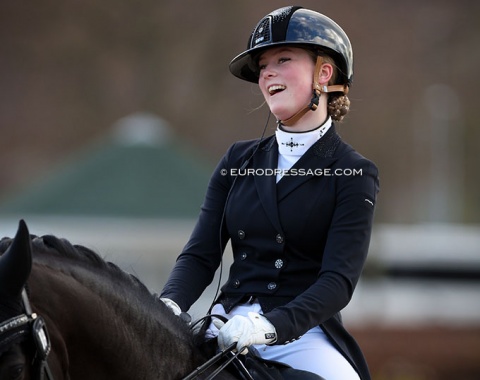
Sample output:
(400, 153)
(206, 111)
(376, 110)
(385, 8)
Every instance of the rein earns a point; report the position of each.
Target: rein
(199, 370)
(23, 325)
(226, 352)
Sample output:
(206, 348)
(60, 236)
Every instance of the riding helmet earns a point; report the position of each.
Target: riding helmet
(295, 25)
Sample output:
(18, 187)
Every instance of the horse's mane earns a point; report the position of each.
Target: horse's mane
(63, 248)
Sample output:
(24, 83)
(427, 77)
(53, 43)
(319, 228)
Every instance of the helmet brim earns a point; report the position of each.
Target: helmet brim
(245, 65)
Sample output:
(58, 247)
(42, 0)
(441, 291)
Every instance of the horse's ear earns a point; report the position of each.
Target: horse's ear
(16, 263)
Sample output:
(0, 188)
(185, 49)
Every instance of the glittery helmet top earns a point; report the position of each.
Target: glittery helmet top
(296, 26)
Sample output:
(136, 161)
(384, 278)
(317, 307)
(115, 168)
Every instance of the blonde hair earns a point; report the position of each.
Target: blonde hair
(338, 103)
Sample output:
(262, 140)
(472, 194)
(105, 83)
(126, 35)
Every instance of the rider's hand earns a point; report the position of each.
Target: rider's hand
(172, 305)
(246, 331)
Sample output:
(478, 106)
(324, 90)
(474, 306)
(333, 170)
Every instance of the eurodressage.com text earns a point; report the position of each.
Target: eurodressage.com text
(293, 172)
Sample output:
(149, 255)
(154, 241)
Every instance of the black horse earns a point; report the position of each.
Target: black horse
(102, 323)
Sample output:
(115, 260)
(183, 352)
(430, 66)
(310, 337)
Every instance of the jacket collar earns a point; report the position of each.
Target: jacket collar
(324, 147)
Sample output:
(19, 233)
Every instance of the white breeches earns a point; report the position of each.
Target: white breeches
(313, 352)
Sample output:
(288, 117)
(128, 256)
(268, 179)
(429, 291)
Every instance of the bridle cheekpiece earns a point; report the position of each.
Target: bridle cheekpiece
(20, 328)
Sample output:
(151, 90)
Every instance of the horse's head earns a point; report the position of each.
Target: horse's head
(19, 327)
(104, 322)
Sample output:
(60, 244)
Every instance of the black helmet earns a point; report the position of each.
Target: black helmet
(296, 26)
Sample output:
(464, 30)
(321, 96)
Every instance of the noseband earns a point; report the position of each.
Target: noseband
(29, 325)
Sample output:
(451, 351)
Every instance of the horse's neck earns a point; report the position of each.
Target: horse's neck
(105, 326)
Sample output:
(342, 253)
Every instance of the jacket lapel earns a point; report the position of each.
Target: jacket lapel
(267, 158)
(320, 156)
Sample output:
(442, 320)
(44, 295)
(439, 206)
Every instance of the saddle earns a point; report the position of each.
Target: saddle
(253, 367)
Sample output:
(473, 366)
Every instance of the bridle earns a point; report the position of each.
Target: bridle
(29, 325)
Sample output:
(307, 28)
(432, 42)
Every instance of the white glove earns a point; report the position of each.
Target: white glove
(172, 305)
(246, 331)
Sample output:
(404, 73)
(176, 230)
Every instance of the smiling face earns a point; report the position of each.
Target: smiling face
(286, 78)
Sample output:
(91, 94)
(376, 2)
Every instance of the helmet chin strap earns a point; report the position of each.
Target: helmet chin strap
(317, 91)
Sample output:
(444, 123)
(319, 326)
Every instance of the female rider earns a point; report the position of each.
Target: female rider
(297, 207)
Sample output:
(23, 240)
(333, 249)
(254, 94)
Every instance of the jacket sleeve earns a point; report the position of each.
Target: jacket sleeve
(195, 267)
(343, 257)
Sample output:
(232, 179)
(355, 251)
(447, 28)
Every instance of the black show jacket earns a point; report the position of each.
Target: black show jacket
(299, 245)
